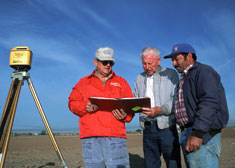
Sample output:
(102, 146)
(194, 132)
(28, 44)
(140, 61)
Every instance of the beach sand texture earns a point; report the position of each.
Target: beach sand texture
(38, 152)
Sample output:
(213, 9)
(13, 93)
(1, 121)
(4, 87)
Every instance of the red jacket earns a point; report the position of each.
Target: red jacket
(100, 123)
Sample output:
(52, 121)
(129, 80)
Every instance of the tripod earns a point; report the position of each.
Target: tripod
(9, 114)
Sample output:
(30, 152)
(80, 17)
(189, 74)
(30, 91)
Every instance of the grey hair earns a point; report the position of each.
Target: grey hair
(147, 50)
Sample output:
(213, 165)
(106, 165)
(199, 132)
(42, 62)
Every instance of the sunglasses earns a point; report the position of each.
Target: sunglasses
(111, 63)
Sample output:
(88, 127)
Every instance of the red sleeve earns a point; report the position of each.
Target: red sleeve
(77, 104)
(127, 92)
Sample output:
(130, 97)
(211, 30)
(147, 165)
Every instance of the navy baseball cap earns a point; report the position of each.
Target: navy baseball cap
(181, 48)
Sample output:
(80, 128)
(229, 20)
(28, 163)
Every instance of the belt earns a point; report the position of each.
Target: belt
(150, 122)
(182, 127)
(211, 132)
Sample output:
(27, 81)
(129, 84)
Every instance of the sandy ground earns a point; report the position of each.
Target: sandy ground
(38, 152)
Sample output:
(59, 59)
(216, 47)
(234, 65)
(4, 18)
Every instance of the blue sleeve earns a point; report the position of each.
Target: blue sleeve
(208, 99)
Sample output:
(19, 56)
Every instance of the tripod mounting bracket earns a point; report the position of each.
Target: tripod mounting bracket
(21, 75)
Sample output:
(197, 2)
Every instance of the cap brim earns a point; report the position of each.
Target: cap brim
(106, 59)
(169, 56)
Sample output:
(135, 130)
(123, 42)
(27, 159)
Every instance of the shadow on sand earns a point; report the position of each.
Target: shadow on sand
(48, 164)
(136, 161)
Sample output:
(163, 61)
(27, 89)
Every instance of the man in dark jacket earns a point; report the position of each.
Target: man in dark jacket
(200, 108)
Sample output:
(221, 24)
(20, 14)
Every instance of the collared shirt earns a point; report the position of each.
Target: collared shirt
(149, 90)
(104, 81)
(180, 110)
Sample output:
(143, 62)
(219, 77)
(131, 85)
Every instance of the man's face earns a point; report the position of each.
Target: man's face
(180, 63)
(104, 68)
(150, 63)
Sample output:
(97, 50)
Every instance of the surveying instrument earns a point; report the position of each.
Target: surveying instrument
(20, 61)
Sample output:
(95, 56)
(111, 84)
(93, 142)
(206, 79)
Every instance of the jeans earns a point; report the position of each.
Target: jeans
(161, 141)
(208, 154)
(99, 152)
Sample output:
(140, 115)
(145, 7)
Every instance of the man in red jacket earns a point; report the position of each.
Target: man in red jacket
(103, 133)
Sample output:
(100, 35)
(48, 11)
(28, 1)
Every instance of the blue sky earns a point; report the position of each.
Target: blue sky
(64, 35)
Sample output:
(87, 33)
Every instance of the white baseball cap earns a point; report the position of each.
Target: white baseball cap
(105, 53)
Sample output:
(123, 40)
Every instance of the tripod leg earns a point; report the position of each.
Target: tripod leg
(53, 141)
(10, 122)
(5, 113)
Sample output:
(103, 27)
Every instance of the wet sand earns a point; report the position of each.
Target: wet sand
(38, 152)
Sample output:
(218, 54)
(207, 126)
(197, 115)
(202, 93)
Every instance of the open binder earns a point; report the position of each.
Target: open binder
(129, 105)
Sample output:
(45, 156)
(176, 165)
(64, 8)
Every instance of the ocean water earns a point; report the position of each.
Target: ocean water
(39, 130)
(129, 128)
(60, 130)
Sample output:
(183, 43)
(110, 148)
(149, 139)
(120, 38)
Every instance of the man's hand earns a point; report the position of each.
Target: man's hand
(193, 144)
(91, 108)
(119, 114)
(152, 112)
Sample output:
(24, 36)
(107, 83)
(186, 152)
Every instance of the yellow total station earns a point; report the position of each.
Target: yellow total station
(21, 58)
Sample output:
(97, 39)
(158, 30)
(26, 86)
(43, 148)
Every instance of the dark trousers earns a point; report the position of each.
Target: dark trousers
(161, 141)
